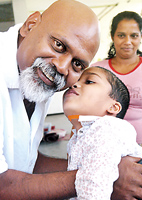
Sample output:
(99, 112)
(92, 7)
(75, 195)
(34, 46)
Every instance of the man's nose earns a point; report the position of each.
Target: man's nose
(63, 64)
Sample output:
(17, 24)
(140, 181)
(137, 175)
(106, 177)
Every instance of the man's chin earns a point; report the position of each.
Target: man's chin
(38, 99)
(37, 94)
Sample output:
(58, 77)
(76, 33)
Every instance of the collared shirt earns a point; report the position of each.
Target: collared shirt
(19, 137)
(96, 150)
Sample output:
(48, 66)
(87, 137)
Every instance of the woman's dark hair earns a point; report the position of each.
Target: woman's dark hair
(119, 91)
(119, 17)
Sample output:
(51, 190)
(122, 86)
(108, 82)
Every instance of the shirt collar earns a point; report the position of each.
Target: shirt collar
(86, 122)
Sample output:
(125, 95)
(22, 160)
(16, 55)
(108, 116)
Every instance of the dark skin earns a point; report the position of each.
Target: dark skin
(18, 185)
(129, 184)
(69, 42)
(59, 185)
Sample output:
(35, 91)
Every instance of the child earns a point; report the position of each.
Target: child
(94, 105)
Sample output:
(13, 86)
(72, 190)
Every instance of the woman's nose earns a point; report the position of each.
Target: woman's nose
(128, 40)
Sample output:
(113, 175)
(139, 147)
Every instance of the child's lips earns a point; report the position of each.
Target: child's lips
(71, 91)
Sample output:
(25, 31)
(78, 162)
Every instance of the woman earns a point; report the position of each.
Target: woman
(125, 60)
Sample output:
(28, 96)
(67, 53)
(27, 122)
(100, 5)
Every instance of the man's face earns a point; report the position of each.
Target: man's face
(89, 96)
(67, 45)
(33, 88)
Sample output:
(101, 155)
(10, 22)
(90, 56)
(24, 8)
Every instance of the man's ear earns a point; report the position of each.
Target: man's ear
(115, 108)
(32, 21)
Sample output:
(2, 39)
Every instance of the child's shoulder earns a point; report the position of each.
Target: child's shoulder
(113, 123)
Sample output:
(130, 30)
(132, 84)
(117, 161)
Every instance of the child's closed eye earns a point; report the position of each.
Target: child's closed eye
(89, 82)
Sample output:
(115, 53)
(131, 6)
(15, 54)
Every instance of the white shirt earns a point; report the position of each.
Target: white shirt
(19, 138)
(96, 150)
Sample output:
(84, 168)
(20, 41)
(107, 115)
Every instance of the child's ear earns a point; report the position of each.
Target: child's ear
(115, 108)
(32, 21)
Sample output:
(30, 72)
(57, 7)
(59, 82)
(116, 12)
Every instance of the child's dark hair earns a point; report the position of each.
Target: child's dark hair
(119, 91)
(129, 15)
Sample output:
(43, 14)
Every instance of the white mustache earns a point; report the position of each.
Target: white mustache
(33, 88)
(51, 73)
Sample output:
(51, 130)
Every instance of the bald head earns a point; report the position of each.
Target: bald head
(71, 9)
(76, 15)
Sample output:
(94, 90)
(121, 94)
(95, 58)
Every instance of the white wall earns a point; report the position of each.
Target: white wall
(23, 8)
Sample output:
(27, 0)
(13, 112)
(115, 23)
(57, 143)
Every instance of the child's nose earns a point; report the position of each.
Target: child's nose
(74, 86)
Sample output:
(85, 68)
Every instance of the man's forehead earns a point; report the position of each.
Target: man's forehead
(61, 14)
(79, 25)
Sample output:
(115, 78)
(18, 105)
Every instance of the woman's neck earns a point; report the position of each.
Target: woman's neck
(123, 65)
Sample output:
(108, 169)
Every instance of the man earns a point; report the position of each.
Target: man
(46, 54)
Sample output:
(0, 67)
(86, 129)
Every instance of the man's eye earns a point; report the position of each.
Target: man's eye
(58, 46)
(77, 66)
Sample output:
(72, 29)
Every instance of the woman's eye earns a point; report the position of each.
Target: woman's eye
(134, 36)
(120, 35)
(77, 66)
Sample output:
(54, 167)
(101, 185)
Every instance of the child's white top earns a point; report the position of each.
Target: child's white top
(96, 150)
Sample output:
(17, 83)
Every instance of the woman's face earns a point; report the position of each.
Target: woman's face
(127, 38)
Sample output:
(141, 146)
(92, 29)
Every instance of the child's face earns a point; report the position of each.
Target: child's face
(88, 96)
